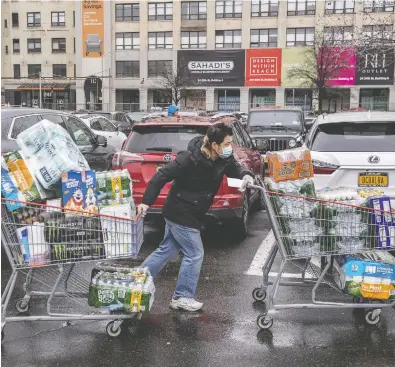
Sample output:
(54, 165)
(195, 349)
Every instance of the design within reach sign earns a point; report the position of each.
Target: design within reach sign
(263, 67)
(212, 68)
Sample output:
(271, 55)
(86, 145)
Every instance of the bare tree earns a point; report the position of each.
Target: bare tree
(330, 53)
(175, 84)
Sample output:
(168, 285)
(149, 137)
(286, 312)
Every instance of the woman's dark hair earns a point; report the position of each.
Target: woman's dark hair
(215, 134)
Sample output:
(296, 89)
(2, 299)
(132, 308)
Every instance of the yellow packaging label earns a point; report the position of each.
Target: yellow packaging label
(377, 291)
(116, 187)
(22, 175)
(135, 299)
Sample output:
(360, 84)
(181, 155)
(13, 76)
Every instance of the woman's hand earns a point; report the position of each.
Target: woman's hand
(142, 209)
(247, 180)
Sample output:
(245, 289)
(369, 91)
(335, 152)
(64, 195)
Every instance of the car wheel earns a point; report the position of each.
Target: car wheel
(240, 227)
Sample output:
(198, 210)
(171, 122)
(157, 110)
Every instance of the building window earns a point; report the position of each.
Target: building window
(228, 39)
(127, 41)
(16, 47)
(160, 11)
(263, 38)
(127, 12)
(75, 70)
(15, 19)
(58, 19)
(264, 8)
(228, 9)
(301, 7)
(59, 70)
(378, 6)
(377, 33)
(33, 45)
(300, 37)
(58, 45)
(160, 40)
(33, 70)
(339, 6)
(193, 40)
(6, 49)
(17, 71)
(5, 23)
(158, 68)
(127, 69)
(33, 19)
(73, 18)
(194, 10)
(74, 44)
(338, 35)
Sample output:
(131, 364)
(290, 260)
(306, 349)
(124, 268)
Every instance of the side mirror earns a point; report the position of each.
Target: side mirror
(309, 124)
(101, 141)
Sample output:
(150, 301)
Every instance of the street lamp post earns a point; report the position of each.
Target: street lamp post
(39, 95)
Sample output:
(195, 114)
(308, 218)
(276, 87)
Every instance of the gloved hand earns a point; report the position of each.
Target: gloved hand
(247, 180)
(142, 208)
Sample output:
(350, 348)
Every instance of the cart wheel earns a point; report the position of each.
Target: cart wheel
(111, 331)
(370, 319)
(22, 306)
(264, 322)
(258, 294)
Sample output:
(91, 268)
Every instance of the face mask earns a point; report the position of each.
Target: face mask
(226, 152)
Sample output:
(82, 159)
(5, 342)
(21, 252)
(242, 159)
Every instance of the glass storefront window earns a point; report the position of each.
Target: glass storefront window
(374, 99)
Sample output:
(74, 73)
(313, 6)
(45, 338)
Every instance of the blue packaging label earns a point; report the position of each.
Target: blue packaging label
(368, 268)
(381, 210)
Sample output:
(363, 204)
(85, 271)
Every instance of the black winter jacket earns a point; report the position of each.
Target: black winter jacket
(196, 180)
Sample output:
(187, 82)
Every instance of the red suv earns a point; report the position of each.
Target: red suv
(153, 144)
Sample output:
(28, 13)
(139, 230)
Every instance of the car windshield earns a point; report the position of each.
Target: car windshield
(269, 118)
(355, 137)
(162, 138)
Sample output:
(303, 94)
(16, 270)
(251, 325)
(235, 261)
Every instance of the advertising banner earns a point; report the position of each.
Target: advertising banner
(263, 67)
(212, 68)
(375, 66)
(291, 57)
(342, 63)
(92, 13)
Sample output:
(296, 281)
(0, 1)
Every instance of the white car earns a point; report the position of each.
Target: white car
(104, 127)
(354, 149)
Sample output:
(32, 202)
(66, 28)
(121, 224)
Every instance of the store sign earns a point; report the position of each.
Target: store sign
(212, 68)
(263, 67)
(292, 57)
(341, 65)
(375, 67)
(92, 15)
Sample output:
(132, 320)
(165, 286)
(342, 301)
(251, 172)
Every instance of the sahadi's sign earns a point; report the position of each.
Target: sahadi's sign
(291, 57)
(212, 68)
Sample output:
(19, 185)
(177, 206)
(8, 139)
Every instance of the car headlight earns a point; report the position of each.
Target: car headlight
(292, 143)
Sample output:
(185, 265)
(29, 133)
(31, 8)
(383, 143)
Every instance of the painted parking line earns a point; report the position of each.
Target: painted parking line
(263, 253)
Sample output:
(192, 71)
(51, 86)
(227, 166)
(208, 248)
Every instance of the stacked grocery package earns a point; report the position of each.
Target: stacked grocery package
(121, 289)
(50, 169)
(352, 224)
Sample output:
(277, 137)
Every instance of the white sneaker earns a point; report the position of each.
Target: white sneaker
(187, 304)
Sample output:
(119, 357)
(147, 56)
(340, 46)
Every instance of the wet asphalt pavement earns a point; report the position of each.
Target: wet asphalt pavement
(224, 334)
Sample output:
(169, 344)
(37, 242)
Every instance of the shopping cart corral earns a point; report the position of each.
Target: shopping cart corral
(311, 244)
(57, 252)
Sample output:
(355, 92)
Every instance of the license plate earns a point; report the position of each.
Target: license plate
(159, 166)
(373, 179)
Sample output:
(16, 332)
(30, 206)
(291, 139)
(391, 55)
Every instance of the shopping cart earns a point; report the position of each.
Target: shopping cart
(320, 231)
(55, 250)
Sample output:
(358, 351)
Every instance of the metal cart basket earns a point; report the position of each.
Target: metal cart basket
(311, 234)
(55, 251)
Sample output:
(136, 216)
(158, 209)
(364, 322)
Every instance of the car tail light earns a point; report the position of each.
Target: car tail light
(223, 203)
(324, 168)
(120, 159)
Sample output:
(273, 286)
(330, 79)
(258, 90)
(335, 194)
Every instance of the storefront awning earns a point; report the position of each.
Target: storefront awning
(44, 86)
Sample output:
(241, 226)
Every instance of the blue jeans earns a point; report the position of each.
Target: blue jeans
(188, 240)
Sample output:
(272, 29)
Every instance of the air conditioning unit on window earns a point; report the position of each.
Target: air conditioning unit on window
(329, 4)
